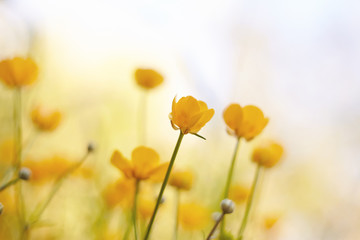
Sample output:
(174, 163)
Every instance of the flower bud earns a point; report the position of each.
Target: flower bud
(1, 208)
(227, 206)
(24, 173)
(162, 200)
(91, 147)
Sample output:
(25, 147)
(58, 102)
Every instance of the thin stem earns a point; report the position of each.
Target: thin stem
(163, 186)
(249, 203)
(135, 209)
(57, 184)
(9, 183)
(17, 129)
(178, 193)
(143, 118)
(215, 226)
(229, 179)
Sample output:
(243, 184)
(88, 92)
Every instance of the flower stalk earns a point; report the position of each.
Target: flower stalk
(249, 203)
(163, 186)
(134, 212)
(178, 193)
(229, 179)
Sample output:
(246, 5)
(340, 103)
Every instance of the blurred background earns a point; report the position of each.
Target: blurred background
(296, 60)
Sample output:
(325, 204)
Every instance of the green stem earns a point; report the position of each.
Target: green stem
(177, 214)
(17, 129)
(249, 203)
(163, 186)
(135, 209)
(228, 181)
(215, 225)
(8, 184)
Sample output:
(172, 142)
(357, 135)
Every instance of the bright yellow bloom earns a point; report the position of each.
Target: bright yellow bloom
(189, 115)
(44, 119)
(7, 148)
(246, 122)
(193, 216)
(148, 78)
(238, 193)
(144, 164)
(18, 72)
(267, 154)
(120, 193)
(182, 180)
(146, 206)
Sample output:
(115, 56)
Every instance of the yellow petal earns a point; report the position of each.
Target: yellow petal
(253, 122)
(148, 78)
(144, 160)
(205, 117)
(185, 113)
(268, 154)
(18, 71)
(124, 165)
(158, 173)
(233, 116)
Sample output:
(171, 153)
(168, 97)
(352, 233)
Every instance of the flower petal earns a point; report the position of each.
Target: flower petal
(253, 122)
(233, 116)
(124, 165)
(144, 160)
(185, 112)
(205, 117)
(158, 174)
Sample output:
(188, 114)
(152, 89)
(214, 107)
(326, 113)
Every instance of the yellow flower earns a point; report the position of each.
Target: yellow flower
(144, 164)
(44, 119)
(18, 72)
(238, 193)
(182, 180)
(120, 193)
(148, 78)
(246, 122)
(193, 216)
(146, 206)
(189, 115)
(267, 154)
(7, 148)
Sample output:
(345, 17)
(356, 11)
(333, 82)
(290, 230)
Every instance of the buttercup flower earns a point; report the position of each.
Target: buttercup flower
(146, 206)
(144, 164)
(246, 122)
(267, 154)
(189, 115)
(120, 193)
(271, 220)
(148, 78)
(182, 180)
(193, 216)
(238, 193)
(18, 72)
(44, 119)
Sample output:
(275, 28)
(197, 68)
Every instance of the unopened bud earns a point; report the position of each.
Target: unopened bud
(24, 173)
(1, 208)
(227, 206)
(216, 216)
(91, 147)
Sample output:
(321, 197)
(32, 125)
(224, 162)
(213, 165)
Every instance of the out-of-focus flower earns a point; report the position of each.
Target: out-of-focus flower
(144, 164)
(148, 78)
(246, 122)
(193, 216)
(267, 154)
(189, 115)
(238, 193)
(182, 180)
(8, 201)
(44, 119)
(18, 72)
(146, 206)
(121, 192)
(50, 168)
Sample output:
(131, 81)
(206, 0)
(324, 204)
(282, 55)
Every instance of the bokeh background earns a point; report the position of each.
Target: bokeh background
(296, 60)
